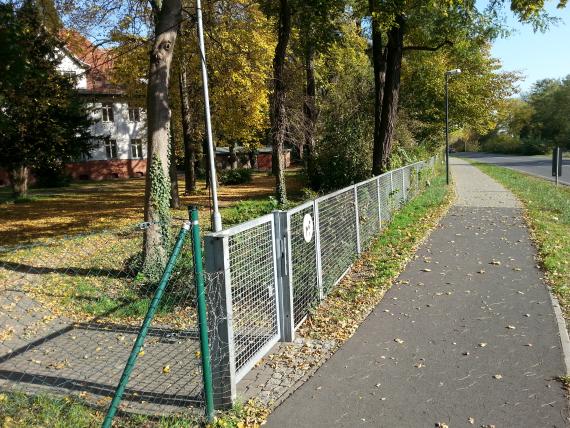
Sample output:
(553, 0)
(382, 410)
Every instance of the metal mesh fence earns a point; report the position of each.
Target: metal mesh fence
(303, 265)
(368, 211)
(253, 287)
(337, 232)
(398, 194)
(70, 310)
(385, 184)
(407, 177)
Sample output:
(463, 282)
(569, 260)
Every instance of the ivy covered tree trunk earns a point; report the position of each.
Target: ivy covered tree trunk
(19, 178)
(157, 194)
(278, 109)
(379, 65)
(189, 149)
(391, 91)
(310, 111)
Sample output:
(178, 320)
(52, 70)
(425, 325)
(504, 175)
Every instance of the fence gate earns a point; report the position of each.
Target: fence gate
(246, 319)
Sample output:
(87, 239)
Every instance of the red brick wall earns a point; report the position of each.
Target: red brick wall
(107, 169)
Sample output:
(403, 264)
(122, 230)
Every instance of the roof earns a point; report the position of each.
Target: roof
(99, 63)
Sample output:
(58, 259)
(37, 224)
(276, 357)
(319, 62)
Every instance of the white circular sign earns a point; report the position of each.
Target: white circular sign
(308, 227)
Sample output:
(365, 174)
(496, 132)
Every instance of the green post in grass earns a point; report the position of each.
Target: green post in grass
(202, 319)
(144, 328)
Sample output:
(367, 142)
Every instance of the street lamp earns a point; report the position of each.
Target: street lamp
(447, 74)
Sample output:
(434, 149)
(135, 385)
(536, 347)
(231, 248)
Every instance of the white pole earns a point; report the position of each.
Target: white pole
(216, 217)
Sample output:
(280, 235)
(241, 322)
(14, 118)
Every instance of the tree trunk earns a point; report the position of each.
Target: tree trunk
(278, 111)
(310, 111)
(19, 179)
(233, 156)
(379, 65)
(391, 90)
(174, 194)
(189, 149)
(252, 159)
(206, 160)
(157, 192)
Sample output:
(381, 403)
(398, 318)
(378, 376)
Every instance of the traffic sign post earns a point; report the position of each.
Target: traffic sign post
(556, 163)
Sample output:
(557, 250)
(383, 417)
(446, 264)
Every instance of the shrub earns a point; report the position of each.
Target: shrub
(235, 176)
(247, 210)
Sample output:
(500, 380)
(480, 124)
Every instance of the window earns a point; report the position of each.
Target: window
(107, 112)
(111, 149)
(134, 114)
(70, 75)
(136, 149)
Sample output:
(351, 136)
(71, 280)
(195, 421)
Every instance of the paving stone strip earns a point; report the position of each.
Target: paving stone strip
(466, 337)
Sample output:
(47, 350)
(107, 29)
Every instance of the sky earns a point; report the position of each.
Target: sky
(536, 55)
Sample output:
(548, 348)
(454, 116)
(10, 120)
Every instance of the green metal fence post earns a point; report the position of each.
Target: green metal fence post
(144, 328)
(202, 315)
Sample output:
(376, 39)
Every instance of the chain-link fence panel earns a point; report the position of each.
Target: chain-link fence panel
(303, 261)
(407, 177)
(385, 184)
(252, 264)
(337, 233)
(398, 194)
(70, 311)
(368, 211)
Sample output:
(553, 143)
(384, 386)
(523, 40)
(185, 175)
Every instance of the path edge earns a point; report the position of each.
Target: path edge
(562, 330)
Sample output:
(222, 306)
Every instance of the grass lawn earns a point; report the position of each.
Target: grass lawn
(91, 206)
(547, 210)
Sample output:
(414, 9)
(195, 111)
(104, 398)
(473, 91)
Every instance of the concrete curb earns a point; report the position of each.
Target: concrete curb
(562, 330)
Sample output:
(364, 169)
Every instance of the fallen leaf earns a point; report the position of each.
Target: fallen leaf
(166, 369)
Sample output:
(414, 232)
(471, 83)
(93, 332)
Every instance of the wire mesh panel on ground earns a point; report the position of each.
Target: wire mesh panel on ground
(368, 211)
(70, 310)
(303, 269)
(337, 235)
(252, 269)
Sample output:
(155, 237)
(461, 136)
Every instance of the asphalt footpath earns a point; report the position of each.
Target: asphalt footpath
(467, 336)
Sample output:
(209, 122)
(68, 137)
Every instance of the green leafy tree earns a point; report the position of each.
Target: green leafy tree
(43, 121)
(550, 103)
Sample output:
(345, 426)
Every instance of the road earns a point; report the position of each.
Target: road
(535, 165)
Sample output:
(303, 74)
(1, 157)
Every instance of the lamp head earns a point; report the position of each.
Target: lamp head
(453, 72)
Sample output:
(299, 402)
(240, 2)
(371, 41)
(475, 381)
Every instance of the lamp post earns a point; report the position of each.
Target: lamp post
(447, 74)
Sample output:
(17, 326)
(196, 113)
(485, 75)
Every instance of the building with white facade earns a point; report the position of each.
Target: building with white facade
(119, 131)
